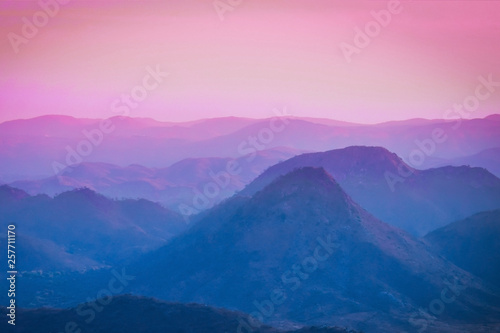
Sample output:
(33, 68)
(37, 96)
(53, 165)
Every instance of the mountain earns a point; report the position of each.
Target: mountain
(301, 251)
(129, 314)
(472, 244)
(417, 201)
(32, 147)
(409, 122)
(49, 125)
(488, 159)
(10, 195)
(80, 228)
(67, 126)
(172, 186)
(41, 147)
(36, 254)
(41, 142)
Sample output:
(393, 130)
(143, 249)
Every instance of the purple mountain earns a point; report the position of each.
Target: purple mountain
(417, 201)
(173, 186)
(40, 147)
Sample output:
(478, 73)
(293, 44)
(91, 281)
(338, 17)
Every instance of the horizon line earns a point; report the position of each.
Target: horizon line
(250, 118)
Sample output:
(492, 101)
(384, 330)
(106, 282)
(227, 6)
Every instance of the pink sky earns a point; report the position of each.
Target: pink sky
(264, 54)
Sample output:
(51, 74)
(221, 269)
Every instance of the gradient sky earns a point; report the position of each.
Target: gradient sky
(264, 54)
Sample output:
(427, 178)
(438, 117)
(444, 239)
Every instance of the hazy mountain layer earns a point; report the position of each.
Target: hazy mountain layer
(41, 146)
(472, 244)
(417, 201)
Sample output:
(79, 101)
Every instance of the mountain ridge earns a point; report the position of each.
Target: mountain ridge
(131, 314)
(434, 197)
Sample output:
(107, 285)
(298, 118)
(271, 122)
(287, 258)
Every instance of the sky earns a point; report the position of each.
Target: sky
(246, 59)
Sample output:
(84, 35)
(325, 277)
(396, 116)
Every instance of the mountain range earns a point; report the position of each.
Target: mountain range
(41, 147)
(295, 224)
(302, 252)
(172, 186)
(417, 201)
(298, 252)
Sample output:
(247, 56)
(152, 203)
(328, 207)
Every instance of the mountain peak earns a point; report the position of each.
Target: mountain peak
(83, 193)
(305, 180)
(318, 173)
(306, 187)
(378, 159)
(369, 164)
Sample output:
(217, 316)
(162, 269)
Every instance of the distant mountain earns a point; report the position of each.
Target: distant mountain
(301, 251)
(171, 186)
(488, 159)
(81, 229)
(30, 147)
(406, 138)
(417, 201)
(328, 122)
(472, 244)
(409, 122)
(47, 126)
(42, 146)
(128, 314)
(67, 126)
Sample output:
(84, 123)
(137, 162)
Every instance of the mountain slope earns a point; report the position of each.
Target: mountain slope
(417, 201)
(472, 244)
(35, 254)
(301, 251)
(81, 223)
